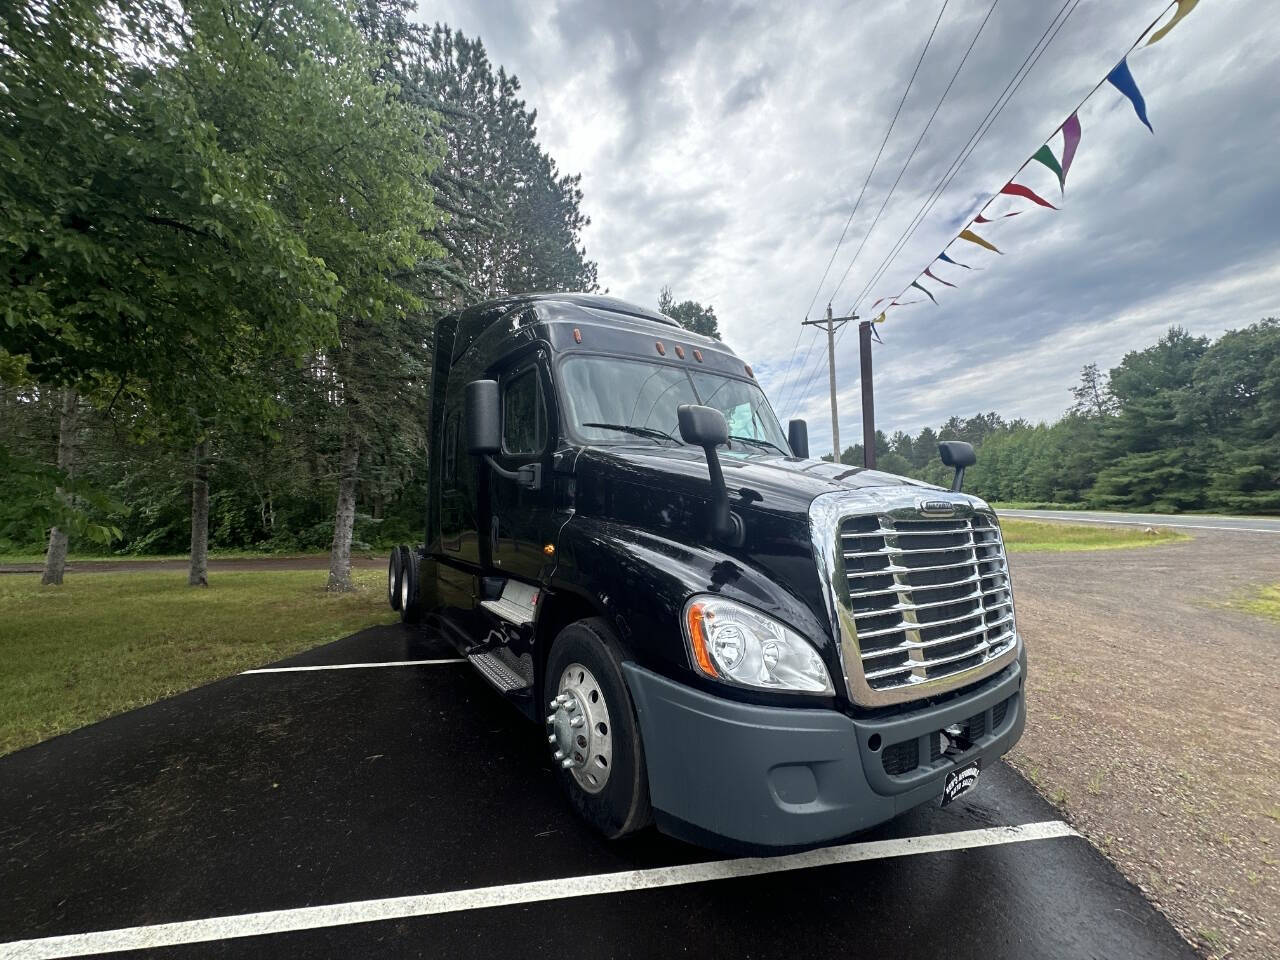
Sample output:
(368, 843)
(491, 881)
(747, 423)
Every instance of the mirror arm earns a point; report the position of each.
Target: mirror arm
(528, 476)
(725, 524)
(958, 480)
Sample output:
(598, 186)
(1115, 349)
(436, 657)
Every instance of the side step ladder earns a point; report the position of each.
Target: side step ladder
(508, 673)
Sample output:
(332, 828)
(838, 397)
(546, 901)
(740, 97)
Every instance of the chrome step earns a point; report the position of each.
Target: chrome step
(503, 669)
(518, 603)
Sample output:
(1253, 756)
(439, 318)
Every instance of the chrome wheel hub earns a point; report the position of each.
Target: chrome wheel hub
(578, 728)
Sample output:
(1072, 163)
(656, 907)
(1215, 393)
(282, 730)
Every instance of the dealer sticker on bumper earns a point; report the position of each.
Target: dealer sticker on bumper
(959, 782)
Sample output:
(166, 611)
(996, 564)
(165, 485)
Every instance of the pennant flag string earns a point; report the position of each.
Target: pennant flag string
(1018, 190)
(1184, 7)
(1122, 80)
(974, 238)
(924, 291)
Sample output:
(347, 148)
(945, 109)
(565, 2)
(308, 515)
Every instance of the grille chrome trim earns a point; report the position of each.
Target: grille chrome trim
(967, 541)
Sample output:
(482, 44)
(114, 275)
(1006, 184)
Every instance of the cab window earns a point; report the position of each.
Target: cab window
(524, 414)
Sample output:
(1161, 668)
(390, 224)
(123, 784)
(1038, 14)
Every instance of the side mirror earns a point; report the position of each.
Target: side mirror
(483, 415)
(957, 454)
(798, 438)
(702, 426)
(707, 428)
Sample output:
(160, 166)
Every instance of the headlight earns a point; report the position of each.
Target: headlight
(735, 644)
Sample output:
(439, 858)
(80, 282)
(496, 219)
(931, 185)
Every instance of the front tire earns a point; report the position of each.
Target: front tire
(601, 763)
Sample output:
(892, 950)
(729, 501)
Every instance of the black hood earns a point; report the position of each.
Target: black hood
(774, 484)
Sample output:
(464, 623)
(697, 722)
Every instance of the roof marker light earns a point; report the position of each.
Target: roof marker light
(577, 335)
(749, 373)
(697, 355)
(680, 352)
(662, 351)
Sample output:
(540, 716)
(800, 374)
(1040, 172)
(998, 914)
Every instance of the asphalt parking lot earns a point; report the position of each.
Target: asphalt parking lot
(384, 802)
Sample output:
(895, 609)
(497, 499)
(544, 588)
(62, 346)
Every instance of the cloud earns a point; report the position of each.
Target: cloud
(722, 147)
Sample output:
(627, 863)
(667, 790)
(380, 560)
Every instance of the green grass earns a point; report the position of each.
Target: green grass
(1264, 601)
(1024, 536)
(28, 557)
(109, 642)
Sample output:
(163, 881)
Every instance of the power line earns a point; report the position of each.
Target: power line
(1002, 99)
(857, 203)
(889, 196)
(984, 126)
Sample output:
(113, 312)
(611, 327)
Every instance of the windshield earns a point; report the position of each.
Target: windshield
(608, 399)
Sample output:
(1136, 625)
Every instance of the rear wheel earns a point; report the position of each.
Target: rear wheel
(410, 608)
(393, 578)
(592, 730)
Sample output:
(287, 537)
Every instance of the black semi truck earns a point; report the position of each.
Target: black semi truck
(749, 647)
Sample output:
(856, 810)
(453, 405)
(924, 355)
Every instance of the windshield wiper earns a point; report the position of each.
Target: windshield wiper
(761, 442)
(652, 432)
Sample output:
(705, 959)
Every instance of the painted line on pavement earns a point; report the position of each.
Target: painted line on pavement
(479, 898)
(1133, 523)
(355, 666)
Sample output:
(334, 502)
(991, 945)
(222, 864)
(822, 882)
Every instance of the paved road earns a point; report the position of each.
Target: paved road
(1193, 521)
(407, 811)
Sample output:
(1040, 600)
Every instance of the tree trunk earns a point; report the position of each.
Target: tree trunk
(344, 518)
(55, 559)
(199, 573)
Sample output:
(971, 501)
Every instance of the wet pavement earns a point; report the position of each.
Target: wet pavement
(287, 790)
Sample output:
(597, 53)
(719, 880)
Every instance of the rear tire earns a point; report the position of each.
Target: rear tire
(393, 578)
(621, 805)
(410, 605)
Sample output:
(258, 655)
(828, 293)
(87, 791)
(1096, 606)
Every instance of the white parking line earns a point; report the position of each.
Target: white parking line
(356, 666)
(395, 908)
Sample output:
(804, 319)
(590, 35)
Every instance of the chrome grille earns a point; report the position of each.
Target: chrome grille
(929, 597)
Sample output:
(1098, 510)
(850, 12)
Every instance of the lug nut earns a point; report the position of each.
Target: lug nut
(551, 739)
(566, 763)
(559, 754)
(571, 706)
(551, 718)
(577, 722)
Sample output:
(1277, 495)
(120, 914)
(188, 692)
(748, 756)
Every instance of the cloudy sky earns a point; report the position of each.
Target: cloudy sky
(723, 145)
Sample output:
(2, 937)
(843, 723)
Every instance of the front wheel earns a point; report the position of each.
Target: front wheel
(592, 730)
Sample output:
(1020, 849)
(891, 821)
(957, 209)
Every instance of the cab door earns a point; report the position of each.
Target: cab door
(522, 520)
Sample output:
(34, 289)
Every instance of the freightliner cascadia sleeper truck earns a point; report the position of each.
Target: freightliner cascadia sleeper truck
(748, 647)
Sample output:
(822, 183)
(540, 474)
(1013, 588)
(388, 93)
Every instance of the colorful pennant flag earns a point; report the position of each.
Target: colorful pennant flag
(1070, 140)
(981, 219)
(1045, 156)
(877, 303)
(974, 238)
(1123, 81)
(1184, 7)
(1018, 190)
(943, 256)
(929, 273)
(924, 291)
(880, 318)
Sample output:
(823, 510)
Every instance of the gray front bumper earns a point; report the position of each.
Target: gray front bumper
(783, 777)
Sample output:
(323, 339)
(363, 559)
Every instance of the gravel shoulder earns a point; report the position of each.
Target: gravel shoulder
(1154, 723)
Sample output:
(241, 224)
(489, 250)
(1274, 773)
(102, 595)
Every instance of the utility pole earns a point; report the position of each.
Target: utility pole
(868, 397)
(832, 324)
